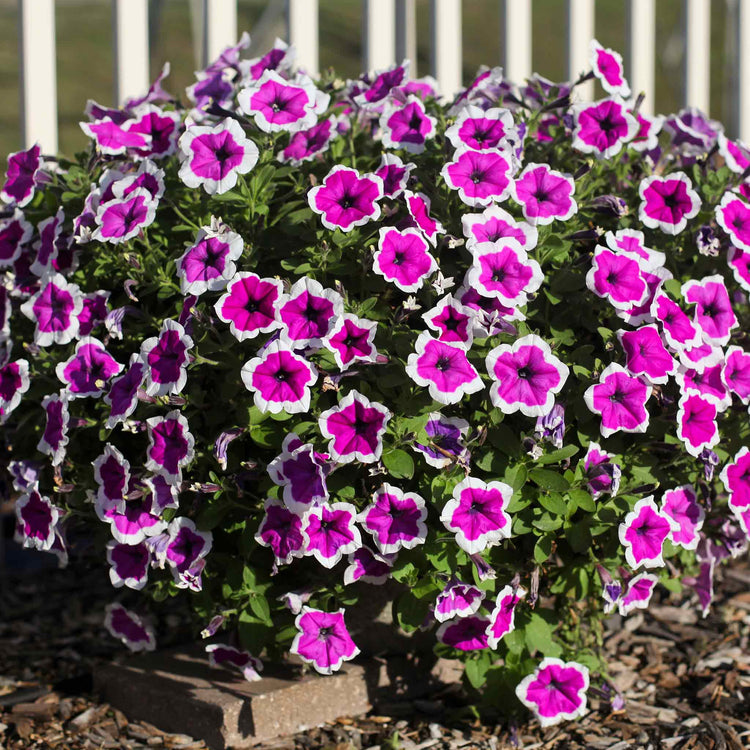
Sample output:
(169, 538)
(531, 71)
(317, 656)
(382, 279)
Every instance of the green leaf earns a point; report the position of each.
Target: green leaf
(543, 548)
(410, 611)
(476, 670)
(578, 536)
(554, 503)
(559, 455)
(538, 636)
(516, 477)
(399, 463)
(261, 609)
(549, 480)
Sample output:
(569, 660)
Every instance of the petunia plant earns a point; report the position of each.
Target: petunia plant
(282, 342)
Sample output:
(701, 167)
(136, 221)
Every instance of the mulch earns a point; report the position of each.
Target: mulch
(685, 680)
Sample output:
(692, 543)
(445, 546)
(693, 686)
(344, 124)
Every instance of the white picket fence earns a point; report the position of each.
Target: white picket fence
(389, 35)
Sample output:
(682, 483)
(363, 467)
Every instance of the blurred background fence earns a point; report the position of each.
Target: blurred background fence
(56, 54)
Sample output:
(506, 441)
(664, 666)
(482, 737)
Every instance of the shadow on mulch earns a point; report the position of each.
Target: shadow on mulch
(685, 680)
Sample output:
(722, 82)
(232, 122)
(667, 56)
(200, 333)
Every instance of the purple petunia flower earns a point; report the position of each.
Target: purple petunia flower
(504, 271)
(645, 354)
(713, 308)
(94, 312)
(368, 567)
(301, 472)
(346, 199)
(465, 633)
(113, 138)
(208, 264)
(446, 444)
(46, 246)
(526, 376)
(394, 174)
(355, 427)
(679, 330)
(129, 628)
(36, 518)
(112, 475)
(166, 357)
(351, 341)
(551, 426)
(706, 383)
(480, 177)
(633, 243)
(481, 129)
(403, 258)
(323, 640)
(395, 519)
(544, 194)
(602, 128)
(120, 219)
(452, 321)
(477, 515)
(159, 127)
(647, 138)
(55, 309)
(149, 177)
(164, 494)
(735, 477)
(15, 232)
(278, 105)
(308, 312)
(700, 357)
(736, 154)
(608, 68)
(735, 373)
(681, 505)
(330, 532)
(618, 278)
(555, 691)
(407, 125)
(305, 145)
(129, 564)
(667, 202)
(187, 546)
(602, 474)
(692, 131)
(279, 379)
(130, 522)
(502, 617)
(14, 382)
(213, 157)
(443, 368)
(620, 399)
(170, 445)
(643, 533)
(493, 224)
(457, 600)
(221, 655)
(22, 176)
(281, 530)
(637, 593)
(54, 439)
(123, 393)
(418, 205)
(739, 261)
(250, 305)
(86, 373)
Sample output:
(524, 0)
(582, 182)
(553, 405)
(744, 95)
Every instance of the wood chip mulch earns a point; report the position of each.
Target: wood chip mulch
(685, 680)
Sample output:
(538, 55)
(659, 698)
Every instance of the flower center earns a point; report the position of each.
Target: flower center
(398, 258)
(617, 397)
(710, 311)
(282, 375)
(415, 122)
(498, 275)
(323, 633)
(443, 363)
(346, 201)
(671, 201)
(360, 426)
(251, 306)
(477, 176)
(524, 373)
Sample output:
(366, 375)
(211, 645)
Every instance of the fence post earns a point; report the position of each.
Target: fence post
(406, 34)
(378, 34)
(219, 27)
(302, 32)
(640, 50)
(516, 40)
(697, 54)
(36, 40)
(446, 52)
(130, 32)
(580, 34)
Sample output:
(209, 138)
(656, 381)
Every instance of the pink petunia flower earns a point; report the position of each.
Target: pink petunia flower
(713, 308)
(22, 176)
(481, 129)
(112, 475)
(301, 472)
(114, 139)
(46, 246)
(452, 321)
(129, 564)
(678, 329)
(14, 382)
(15, 233)
(493, 224)
(620, 399)
(735, 477)
(407, 125)
(465, 633)
(739, 261)
(281, 530)
(681, 505)
(37, 519)
(700, 357)
(221, 655)
(443, 368)
(167, 357)
(54, 440)
(643, 533)
(733, 216)
(608, 68)
(502, 617)
(305, 145)
(351, 340)
(120, 219)
(129, 628)
(647, 137)
(706, 383)
(503, 270)
(457, 599)
(149, 177)
(123, 393)
(87, 371)
(667, 202)
(394, 174)
(632, 242)
(330, 532)
(555, 691)
(208, 264)
(736, 154)
(187, 545)
(323, 640)
(131, 521)
(480, 177)
(308, 313)
(602, 473)
(544, 194)
(55, 309)
(477, 515)
(526, 376)
(346, 199)
(602, 128)
(637, 593)
(159, 127)
(279, 379)
(403, 258)
(735, 373)
(213, 157)
(355, 427)
(368, 567)
(446, 441)
(418, 205)
(395, 519)
(250, 305)
(618, 278)
(645, 354)
(170, 445)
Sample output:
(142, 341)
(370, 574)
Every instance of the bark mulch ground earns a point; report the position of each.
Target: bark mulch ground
(686, 682)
